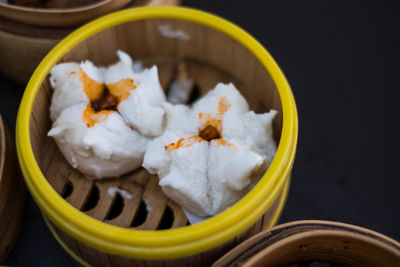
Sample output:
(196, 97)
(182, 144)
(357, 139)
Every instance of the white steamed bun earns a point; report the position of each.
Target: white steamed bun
(142, 108)
(73, 84)
(106, 149)
(104, 117)
(210, 155)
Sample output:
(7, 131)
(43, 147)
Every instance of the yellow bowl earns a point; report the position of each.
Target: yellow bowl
(173, 243)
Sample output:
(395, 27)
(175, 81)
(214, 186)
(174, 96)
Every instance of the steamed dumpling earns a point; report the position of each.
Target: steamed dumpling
(73, 84)
(104, 117)
(98, 144)
(141, 108)
(210, 155)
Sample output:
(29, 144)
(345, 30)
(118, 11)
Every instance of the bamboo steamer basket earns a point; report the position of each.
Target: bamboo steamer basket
(60, 16)
(314, 241)
(99, 229)
(12, 193)
(27, 34)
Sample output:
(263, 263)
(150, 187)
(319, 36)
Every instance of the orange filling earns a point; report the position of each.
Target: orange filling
(211, 129)
(223, 142)
(188, 141)
(209, 133)
(91, 117)
(223, 105)
(103, 99)
(121, 89)
(184, 142)
(92, 89)
(215, 121)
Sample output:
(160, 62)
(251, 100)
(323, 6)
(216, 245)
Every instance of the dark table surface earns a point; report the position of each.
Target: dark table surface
(342, 61)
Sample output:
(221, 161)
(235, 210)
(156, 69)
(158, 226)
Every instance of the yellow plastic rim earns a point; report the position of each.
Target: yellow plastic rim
(84, 263)
(171, 243)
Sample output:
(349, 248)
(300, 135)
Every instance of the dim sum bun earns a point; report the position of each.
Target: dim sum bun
(212, 154)
(142, 108)
(110, 148)
(104, 117)
(68, 87)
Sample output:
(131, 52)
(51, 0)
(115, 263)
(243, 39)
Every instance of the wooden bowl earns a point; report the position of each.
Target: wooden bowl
(314, 241)
(27, 34)
(12, 193)
(97, 227)
(56, 17)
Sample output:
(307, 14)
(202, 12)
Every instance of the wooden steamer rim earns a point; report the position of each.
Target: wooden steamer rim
(165, 243)
(41, 29)
(60, 16)
(314, 240)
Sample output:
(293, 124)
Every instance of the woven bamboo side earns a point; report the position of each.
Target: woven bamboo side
(12, 193)
(98, 258)
(314, 241)
(25, 35)
(210, 57)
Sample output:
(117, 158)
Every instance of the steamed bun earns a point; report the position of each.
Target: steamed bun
(73, 84)
(104, 117)
(141, 109)
(98, 144)
(211, 154)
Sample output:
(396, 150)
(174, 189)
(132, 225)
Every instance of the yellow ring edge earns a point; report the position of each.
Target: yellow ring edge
(82, 262)
(134, 237)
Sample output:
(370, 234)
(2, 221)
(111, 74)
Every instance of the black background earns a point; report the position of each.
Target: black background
(342, 61)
